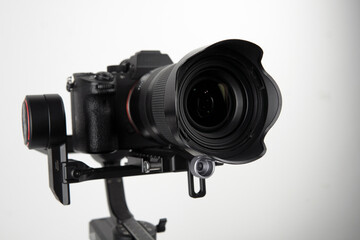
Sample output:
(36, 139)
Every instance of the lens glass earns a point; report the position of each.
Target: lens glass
(209, 103)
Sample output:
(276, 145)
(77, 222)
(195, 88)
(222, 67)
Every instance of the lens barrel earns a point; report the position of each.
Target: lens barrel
(217, 101)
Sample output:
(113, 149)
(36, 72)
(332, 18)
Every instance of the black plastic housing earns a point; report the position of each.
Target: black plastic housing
(100, 119)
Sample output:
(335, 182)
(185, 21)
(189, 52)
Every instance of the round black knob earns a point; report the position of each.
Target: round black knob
(43, 121)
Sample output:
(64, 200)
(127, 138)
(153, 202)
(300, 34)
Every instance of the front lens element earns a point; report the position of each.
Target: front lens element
(208, 103)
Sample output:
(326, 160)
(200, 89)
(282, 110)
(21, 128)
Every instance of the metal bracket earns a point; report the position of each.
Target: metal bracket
(57, 159)
(202, 190)
(64, 171)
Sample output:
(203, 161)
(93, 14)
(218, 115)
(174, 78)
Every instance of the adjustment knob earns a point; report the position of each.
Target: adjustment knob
(43, 121)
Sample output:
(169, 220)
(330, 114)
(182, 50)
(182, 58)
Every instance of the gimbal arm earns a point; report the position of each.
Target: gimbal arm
(64, 171)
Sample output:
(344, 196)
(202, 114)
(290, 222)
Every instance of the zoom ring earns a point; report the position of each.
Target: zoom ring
(158, 103)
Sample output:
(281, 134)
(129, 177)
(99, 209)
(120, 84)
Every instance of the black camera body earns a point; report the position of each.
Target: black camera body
(100, 116)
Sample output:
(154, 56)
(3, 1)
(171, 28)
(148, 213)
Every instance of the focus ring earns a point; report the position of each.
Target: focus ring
(158, 103)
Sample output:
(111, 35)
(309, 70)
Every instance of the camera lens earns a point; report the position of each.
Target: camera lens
(217, 101)
(208, 103)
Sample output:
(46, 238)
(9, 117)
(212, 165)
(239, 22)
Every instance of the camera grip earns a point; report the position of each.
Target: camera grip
(93, 115)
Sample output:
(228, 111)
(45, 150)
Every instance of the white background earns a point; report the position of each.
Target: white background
(307, 186)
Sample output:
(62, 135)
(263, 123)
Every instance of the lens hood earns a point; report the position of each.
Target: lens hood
(258, 102)
(216, 101)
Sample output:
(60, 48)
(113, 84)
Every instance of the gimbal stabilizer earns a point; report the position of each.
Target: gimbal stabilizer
(214, 106)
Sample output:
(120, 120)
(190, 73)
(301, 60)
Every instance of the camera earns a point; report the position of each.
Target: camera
(214, 106)
(217, 101)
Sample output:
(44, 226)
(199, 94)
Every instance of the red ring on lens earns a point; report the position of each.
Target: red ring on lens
(128, 108)
(28, 122)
